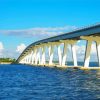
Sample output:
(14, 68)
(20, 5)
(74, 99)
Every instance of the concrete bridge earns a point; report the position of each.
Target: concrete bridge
(34, 54)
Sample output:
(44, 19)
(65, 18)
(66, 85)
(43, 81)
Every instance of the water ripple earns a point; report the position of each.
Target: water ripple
(21, 82)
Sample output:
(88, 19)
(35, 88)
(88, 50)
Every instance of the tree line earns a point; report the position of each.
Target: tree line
(7, 60)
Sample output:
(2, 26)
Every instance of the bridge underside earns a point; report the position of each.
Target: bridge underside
(35, 54)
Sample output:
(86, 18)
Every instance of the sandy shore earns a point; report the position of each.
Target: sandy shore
(5, 62)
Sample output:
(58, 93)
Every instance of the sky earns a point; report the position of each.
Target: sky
(23, 22)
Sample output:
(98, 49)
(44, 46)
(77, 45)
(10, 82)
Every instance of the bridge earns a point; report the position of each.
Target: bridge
(35, 54)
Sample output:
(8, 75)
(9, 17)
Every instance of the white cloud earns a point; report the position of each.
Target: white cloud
(1, 48)
(42, 32)
(20, 48)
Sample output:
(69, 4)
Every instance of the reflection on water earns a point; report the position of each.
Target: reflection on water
(21, 82)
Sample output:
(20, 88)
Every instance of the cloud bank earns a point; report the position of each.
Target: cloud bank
(42, 32)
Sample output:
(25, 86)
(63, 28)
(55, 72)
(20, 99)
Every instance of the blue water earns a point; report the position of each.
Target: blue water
(23, 82)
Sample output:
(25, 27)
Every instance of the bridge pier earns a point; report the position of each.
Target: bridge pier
(59, 54)
(35, 55)
(32, 58)
(24, 60)
(90, 39)
(51, 52)
(21, 62)
(43, 55)
(38, 56)
(64, 54)
(74, 54)
(27, 59)
(98, 51)
(87, 53)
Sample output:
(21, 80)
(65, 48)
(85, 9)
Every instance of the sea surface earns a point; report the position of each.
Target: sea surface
(24, 82)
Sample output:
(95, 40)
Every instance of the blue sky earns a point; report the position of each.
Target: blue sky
(26, 21)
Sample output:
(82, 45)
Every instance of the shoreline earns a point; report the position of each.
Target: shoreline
(5, 62)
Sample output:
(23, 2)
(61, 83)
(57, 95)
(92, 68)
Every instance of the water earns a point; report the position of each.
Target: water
(23, 82)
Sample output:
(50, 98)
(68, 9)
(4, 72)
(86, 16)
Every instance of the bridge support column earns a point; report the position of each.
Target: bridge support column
(98, 51)
(43, 55)
(20, 62)
(27, 59)
(64, 54)
(51, 50)
(74, 54)
(87, 53)
(37, 57)
(59, 55)
(31, 57)
(34, 56)
(23, 60)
